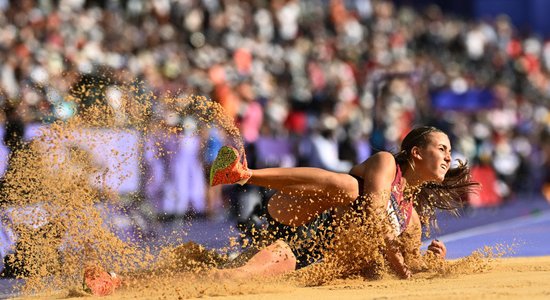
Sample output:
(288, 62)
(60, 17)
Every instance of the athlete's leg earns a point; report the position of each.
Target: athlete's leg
(303, 193)
(275, 259)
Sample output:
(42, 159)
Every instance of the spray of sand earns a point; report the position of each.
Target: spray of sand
(54, 193)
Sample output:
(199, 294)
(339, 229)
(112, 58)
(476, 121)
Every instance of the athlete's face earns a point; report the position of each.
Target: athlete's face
(434, 160)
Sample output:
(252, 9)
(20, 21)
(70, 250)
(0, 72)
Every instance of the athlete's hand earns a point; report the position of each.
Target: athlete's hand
(395, 258)
(438, 248)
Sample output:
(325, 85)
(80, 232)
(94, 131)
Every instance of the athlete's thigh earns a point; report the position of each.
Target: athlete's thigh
(291, 209)
(298, 207)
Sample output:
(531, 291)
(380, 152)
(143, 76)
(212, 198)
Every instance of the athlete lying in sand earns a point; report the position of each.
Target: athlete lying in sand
(423, 164)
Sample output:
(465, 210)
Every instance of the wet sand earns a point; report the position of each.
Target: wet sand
(504, 278)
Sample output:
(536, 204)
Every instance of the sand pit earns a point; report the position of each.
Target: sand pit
(505, 278)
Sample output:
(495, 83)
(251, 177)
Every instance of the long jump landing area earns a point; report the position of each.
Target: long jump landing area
(523, 226)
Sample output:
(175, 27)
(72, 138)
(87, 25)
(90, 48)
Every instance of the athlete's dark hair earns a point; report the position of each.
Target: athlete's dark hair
(447, 195)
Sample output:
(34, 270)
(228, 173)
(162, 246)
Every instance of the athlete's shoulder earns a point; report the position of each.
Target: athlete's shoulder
(382, 162)
(382, 159)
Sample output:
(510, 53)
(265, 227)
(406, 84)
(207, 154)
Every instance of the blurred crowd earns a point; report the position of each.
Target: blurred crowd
(332, 80)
